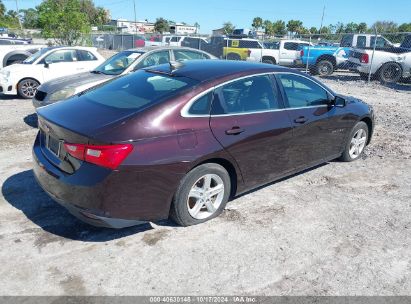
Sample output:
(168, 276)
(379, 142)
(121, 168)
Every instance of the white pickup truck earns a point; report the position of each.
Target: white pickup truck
(388, 65)
(283, 52)
(17, 53)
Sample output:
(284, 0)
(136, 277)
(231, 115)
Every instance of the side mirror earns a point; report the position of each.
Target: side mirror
(47, 64)
(337, 101)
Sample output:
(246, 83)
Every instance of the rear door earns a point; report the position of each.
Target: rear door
(249, 121)
(318, 128)
(288, 53)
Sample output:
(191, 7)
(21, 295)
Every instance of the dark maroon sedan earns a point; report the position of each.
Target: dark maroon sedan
(180, 140)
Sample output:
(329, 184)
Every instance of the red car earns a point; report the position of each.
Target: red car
(181, 139)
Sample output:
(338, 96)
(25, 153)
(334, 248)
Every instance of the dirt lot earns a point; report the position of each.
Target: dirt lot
(339, 229)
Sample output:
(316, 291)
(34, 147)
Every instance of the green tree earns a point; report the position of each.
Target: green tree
(63, 20)
(279, 28)
(362, 28)
(405, 27)
(294, 26)
(30, 18)
(313, 30)
(2, 9)
(268, 27)
(228, 28)
(351, 27)
(161, 25)
(385, 26)
(257, 23)
(96, 15)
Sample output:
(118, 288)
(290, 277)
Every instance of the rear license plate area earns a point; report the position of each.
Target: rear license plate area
(53, 145)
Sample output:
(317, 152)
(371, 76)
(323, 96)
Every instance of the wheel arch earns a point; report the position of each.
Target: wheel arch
(14, 53)
(377, 72)
(229, 166)
(370, 126)
(270, 58)
(328, 57)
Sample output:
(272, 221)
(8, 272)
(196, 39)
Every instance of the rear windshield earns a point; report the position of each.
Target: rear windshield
(137, 90)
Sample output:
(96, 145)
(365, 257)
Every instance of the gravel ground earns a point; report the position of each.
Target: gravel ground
(338, 229)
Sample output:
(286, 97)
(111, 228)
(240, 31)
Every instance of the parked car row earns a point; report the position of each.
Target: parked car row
(390, 62)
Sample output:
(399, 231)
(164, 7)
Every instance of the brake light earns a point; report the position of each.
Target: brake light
(109, 156)
(364, 58)
(302, 53)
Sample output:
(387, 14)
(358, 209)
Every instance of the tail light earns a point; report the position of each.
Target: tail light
(302, 53)
(109, 156)
(364, 58)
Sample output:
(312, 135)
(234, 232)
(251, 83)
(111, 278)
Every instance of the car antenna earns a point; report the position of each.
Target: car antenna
(174, 65)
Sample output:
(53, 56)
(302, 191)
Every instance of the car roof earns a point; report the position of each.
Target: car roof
(204, 70)
(159, 48)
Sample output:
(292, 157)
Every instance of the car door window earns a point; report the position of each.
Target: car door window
(361, 41)
(302, 92)
(381, 42)
(61, 56)
(253, 94)
(85, 56)
(291, 46)
(189, 55)
(156, 58)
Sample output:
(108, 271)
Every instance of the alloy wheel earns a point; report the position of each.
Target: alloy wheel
(205, 196)
(29, 88)
(358, 143)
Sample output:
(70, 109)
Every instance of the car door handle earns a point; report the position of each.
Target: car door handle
(234, 131)
(300, 120)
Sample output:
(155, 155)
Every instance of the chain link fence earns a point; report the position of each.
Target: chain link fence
(379, 56)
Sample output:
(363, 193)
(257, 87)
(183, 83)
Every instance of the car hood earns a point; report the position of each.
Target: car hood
(15, 68)
(84, 80)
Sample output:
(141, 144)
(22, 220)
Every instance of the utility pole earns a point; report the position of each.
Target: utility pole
(322, 19)
(135, 16)
(18, 15)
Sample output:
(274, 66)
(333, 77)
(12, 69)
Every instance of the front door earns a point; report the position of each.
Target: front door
(319, 128)
(60, 63)
(249, 121)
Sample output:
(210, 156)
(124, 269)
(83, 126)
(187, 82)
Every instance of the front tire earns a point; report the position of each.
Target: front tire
(202, 195)
(356, 142)
(27, 88)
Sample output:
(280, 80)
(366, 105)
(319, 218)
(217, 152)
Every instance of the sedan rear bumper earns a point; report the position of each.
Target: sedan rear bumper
(103, 197)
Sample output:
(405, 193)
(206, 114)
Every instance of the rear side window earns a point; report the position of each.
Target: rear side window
(137, 90)
(85, 56)
(291, 46)
(202, 105)
(253, 94)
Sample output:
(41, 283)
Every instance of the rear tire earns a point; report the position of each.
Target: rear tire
(390, 72)
(269, 60)
(201, 196)
(356, 143)
(27, 88)
(233, 56)
(325, 68)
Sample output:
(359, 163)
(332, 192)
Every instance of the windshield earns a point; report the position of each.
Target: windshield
(35, 56)
(118, 63)
(137, 90)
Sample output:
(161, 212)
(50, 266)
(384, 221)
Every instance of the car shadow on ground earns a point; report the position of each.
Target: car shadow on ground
(31, 120)
(7, 97)
(22, 192)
